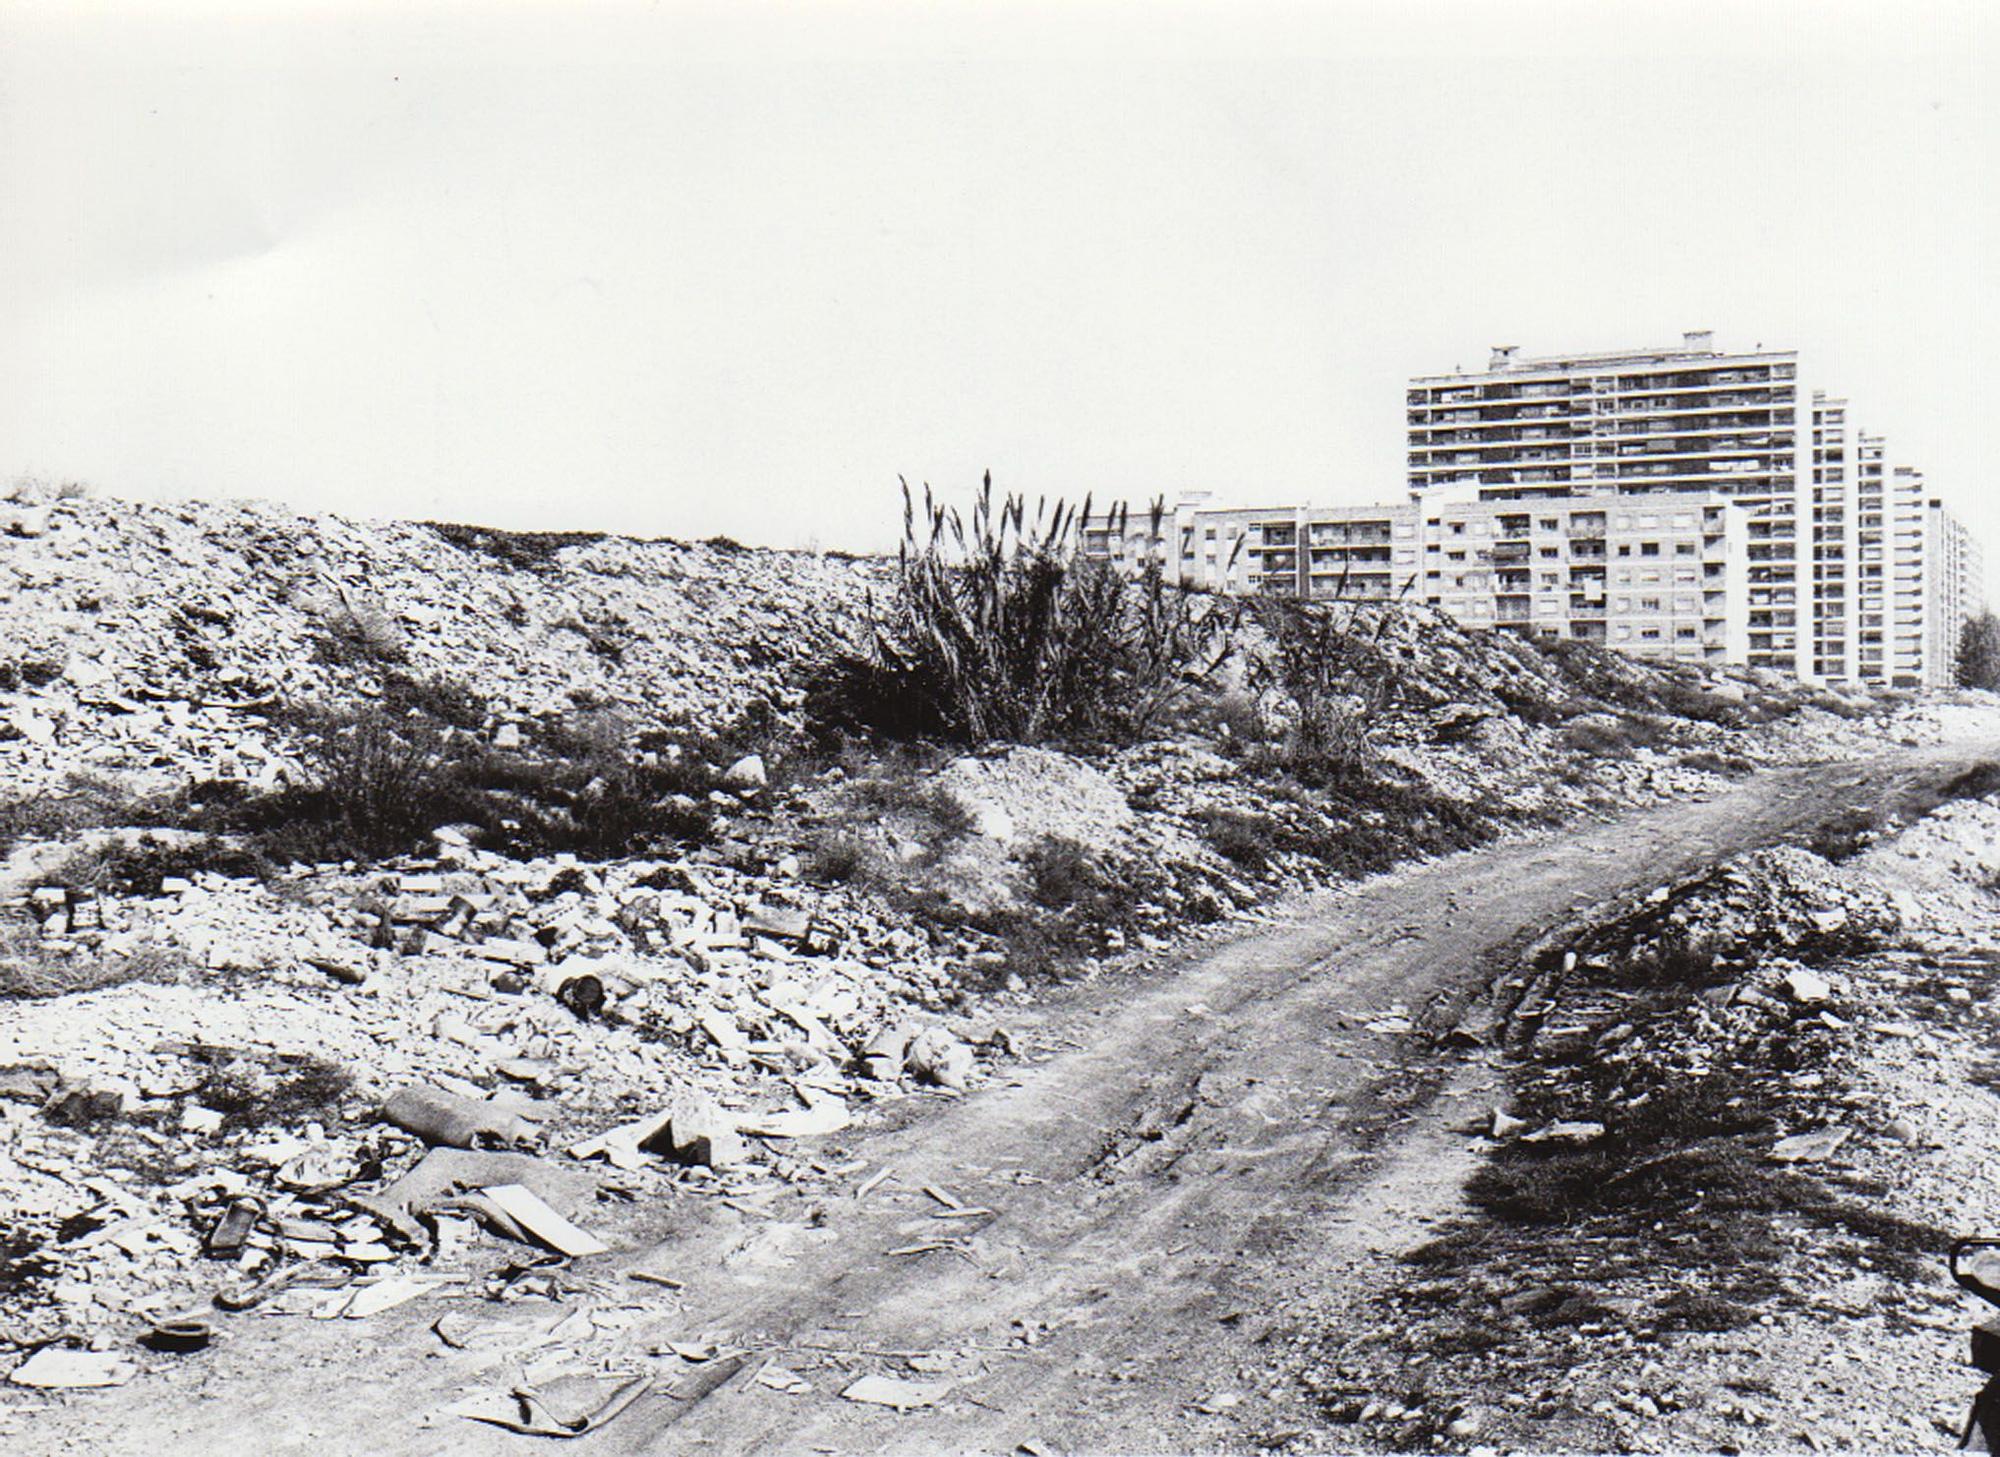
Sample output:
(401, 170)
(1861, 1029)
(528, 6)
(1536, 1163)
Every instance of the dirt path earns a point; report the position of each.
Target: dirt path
(1182, 1164)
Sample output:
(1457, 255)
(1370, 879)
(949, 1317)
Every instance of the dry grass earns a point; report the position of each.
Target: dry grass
(31, 969)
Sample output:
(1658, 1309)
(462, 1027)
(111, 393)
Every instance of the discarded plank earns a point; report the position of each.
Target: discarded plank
(528, 1210)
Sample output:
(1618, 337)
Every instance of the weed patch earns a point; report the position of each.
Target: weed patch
(528, 551)
(1002, 629)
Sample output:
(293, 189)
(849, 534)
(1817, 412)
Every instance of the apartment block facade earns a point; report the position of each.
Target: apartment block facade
(1661, 579)
(1680, 503)
(1662, 420)
(1841, 572)
(1953, 589)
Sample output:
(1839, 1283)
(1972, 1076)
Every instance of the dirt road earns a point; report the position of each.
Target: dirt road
(1185, 1163)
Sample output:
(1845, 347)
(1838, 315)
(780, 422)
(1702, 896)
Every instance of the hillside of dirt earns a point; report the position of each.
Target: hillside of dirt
(333, 849)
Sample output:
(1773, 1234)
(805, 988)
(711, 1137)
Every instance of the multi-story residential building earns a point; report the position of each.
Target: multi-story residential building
(1834, 541)
(1954, 590)
(1659, 578)
(1907, 504)
(1664, 578)
(1678, 419)
(1679, 503)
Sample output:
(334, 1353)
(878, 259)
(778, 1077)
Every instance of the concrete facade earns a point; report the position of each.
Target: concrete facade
(1683, 503)
(1661, 578)
(1682, 419)
(1954, 590)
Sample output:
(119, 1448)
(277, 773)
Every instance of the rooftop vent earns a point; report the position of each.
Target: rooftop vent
(1503, 355)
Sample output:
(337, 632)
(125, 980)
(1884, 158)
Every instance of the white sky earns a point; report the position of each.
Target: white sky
(678, 269)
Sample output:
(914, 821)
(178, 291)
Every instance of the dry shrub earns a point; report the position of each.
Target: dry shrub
(30, 969)
(1001, 630)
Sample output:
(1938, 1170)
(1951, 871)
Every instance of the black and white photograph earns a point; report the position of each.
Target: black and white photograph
(995, 726)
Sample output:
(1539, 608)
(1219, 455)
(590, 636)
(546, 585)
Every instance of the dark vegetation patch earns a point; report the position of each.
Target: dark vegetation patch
(31, 968)
(381, 776)
(1001, 629)
(255, 1091)
(1854, 829)
(528, 551)
(1352, 825)
(84, 802)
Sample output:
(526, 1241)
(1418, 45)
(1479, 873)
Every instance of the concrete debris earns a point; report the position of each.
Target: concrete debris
(895, 1392)
(1574, 1132)
(330, 1071)
(56, 1368)
(438, 1117)
(1810, 1148)
(823, 1113)
(936, 1056)
(747, 772)
(532, 1214)
(569, 1406)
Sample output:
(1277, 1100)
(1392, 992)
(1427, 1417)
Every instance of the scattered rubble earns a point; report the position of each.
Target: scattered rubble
(1758, 1051)
(328, 1089)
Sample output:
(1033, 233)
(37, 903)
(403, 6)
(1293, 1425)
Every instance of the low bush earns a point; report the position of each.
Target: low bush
(1597, 739)
(83, 803)
(31, 969)
(356, 634)
(836, 859)
(255, 1091)
(1243, 838)
(138, 867)
(1062, 873)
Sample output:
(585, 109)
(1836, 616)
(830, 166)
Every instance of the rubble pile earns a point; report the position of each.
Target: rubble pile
(549, 1003)
(321, 1088)
(1763, 1098)
(145, 638)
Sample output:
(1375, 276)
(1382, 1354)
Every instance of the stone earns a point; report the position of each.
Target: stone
(747, 772)
(691, 1129)
(1807, 988)
(1806, 1148)
(938, 1057)
(1566, 1132)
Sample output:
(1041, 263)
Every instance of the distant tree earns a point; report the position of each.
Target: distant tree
(1979, 652)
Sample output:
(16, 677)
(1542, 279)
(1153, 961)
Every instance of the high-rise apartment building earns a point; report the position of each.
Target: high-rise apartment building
(1679, 419)
(1954, 590)
(1663, 578)
(1834, 542)
(1683, 503)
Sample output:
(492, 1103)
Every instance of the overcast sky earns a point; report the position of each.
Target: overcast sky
(678, 269)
